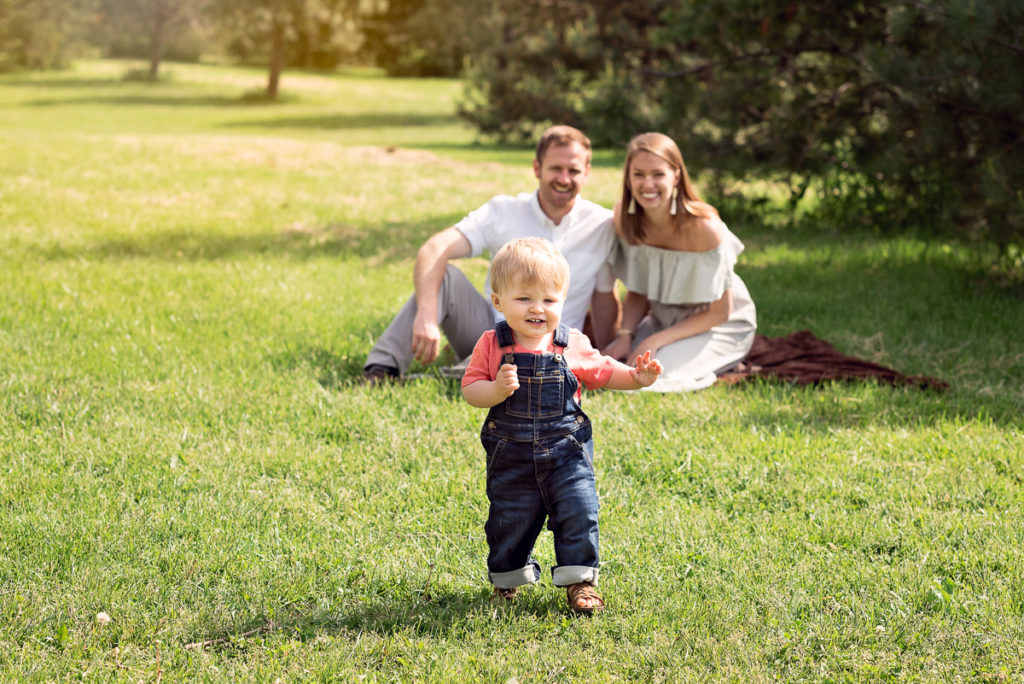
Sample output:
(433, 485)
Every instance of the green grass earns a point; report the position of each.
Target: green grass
(191, 279)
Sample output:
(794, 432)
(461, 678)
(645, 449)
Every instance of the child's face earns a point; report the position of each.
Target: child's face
(532, 310)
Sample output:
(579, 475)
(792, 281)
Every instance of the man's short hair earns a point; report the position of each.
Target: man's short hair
(527, 261)
(561, 135)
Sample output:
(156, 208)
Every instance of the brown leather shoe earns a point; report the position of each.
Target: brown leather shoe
(507, 594)
(583, 598)
(376, 374)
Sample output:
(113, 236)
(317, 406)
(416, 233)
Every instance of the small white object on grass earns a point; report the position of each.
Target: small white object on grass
(102, 618)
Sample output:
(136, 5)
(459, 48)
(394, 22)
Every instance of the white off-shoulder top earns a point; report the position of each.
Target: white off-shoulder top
(681, 284)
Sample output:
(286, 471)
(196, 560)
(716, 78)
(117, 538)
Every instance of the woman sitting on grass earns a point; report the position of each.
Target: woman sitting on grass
(684, 304)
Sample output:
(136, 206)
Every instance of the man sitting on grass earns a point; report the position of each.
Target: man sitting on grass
(445, 301)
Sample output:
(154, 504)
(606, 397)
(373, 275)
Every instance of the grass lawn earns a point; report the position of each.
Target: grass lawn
(191, 278)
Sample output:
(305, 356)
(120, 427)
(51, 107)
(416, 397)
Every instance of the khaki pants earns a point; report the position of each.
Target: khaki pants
(463, 314)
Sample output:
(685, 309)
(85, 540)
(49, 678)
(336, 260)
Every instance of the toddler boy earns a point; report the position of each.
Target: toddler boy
(528, 371)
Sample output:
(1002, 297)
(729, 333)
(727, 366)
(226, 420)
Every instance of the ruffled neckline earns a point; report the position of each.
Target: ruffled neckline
(675, 277)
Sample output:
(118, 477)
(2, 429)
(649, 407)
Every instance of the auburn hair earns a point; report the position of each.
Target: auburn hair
(556, 136)
(631, 226)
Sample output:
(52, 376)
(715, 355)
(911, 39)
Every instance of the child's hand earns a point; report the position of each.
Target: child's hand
(647, 369)
(507, 381)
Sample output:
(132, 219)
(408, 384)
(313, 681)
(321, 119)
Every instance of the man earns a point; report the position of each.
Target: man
(445, 301)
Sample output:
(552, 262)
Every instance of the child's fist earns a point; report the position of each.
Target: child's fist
(508, 379)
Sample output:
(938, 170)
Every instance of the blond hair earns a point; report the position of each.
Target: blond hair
(527, 261)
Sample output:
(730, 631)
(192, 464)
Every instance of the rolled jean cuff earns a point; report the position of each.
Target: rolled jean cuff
(573, 574)
(515, 578)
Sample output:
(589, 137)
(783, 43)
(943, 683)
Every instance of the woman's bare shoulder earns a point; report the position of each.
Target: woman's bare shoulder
(705, 233)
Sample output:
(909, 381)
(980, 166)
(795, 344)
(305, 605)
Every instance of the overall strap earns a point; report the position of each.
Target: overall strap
(561, 336)
(506, 340)
(503, 331)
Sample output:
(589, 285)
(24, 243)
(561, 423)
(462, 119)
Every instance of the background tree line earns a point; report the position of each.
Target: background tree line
(891, 114)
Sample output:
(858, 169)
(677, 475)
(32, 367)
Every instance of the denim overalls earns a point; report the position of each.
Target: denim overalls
(540, 466)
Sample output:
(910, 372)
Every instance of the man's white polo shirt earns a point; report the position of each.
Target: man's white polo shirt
(585, 237)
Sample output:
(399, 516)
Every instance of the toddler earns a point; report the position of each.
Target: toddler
(528, 371)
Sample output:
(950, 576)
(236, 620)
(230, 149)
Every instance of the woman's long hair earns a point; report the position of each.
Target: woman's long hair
(690, 205)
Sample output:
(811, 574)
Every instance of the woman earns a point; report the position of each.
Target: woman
(684, 302)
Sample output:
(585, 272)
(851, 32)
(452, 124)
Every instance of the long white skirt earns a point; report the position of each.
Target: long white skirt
(691, 364)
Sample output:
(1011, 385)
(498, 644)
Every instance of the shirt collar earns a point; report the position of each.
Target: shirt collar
(545, 220)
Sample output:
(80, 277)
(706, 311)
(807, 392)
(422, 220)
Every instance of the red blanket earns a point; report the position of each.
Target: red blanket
(804, 359)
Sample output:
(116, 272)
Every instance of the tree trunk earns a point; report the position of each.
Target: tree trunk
(156, 46)
(276, 57)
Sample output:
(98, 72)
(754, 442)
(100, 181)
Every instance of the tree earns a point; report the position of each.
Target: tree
(306, 33)
(953, 77)
(903, 114)
(424, 37)
(576, 62)
(40, 34)
(912, 113)
(147, 28)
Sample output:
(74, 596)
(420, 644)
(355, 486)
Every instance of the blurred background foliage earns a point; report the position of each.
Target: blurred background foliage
(889, 116)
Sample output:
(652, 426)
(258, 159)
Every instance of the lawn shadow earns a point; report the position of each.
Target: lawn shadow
(125, 91)
(349, 121)
(333, 371)
(437, 612)
(336, 371)
(69, 83)
(385, 242)
(434, 614)
(509, 153)
(169, 100)
(852, 404)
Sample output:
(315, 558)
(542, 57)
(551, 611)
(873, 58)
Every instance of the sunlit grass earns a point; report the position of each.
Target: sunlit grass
(191, 281)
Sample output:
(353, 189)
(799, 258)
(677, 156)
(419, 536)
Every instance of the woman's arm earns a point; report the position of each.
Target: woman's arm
(604, 316)
(634, 308)
(718, 312)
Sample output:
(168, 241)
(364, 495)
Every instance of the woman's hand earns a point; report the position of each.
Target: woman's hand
(649, 344)
(620, 348)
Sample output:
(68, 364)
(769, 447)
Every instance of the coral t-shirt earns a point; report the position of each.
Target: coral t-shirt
(591, 368)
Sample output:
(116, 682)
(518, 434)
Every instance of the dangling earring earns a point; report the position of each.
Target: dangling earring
(632, 205)
(672, 207)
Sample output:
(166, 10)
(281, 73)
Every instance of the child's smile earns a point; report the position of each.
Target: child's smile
(533, 311)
